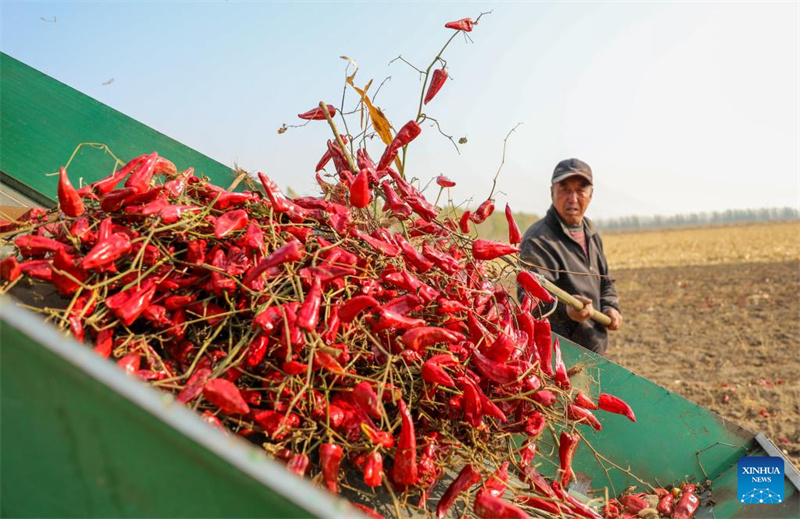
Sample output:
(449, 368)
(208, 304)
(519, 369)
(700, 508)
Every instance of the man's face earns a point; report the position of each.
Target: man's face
(571, 198)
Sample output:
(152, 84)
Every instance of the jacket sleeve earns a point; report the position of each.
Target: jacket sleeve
(608, 289)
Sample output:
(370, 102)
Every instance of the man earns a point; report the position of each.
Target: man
(565, 248)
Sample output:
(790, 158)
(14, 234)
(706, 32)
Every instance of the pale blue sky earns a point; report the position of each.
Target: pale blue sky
(678, 107)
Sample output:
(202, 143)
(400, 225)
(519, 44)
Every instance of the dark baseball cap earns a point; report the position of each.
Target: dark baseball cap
(569, 168)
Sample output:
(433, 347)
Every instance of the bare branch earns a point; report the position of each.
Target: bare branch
(401, 58)
(426, 118)
(503, 161)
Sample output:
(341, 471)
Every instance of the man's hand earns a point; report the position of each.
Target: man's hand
(580, 315)
(616, 318)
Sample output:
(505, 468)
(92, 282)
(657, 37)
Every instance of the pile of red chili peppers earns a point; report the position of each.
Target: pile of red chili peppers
(361, 337)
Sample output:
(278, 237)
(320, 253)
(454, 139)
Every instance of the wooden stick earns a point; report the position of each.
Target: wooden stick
(567, 299)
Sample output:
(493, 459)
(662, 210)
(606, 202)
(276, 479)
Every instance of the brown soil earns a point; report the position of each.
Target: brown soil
(726, 336)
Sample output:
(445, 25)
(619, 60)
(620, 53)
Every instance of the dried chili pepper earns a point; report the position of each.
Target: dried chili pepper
(494, 371)
(298, 464)
(68, 198)
(308, 316)
(316, 114)
(10, 269)
(230, 222)
(226, 396)
(542, 336)
(437, 82)
(579, 414)
(466, 478)
(106, 251)
(562, 378)
(567, 444)
(404, 471)
(360, 195)
(373, 469)
(290, 252)
(633, 503)
(496, 485)
(418, 339)
(584, 401)
(407, 133)
(464, 24)
(530, 284)
(666, 504)
(434, 373)
(483, 211)
(489, 507)
(616, 405)
(443, 181)
(489, 250)
(129, 304)
(330, 457)
(687, 506)
(514, 236)
(140, 177)
(367, 399)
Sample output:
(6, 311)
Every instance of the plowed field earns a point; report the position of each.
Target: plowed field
(714, 315)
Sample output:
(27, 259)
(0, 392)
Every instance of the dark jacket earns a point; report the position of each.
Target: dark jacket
(547, 243)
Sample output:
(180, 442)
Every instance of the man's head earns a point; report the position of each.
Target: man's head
(571, 190)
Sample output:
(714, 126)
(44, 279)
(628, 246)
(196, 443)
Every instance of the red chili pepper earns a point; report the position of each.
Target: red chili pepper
(467, 478)
(472, 405)
(489, 250)
(464, 24)
(381, 246)
(535, 424)
(107, 251)
(496, 485)
(443, 181)
(494, 371)
(68, 197)
(325, 361)
(225, 396)
(373, 470)
(577, 506)
(298, 464)
(129, 304)
(529, 283)
(463, 223)
(405, 459)
(579, 414)
(544, 345)
(281, 204)
(407, 133)
(308, 316)
(360, 194)
(613, 404)
(483, 212)
(354, 306)
(230, 222)
(388, 319)
(542, 504)
(130, 363)
(687, 506)
(437, 82)
(394, 202)
(501, 349)
(584, 401)
(367, 399)
(566, 451)
(666, 504)
(544, 397)
(514, 236)
(562, 378)
(37, 269)
(419, 339)
(10, 269)
(633, 503)
(413, 256)
(316, 114)
(330, 457)
(290, 252)
(489, 507)
(447, 263)
(434, 373)
(377, 438)
(140, 177)
(32, 245)
(611, 510)
(369, 512)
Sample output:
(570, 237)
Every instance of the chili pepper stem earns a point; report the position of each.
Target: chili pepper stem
(339, 141)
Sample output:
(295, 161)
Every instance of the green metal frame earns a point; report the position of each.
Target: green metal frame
(43, 122)
(80, 439)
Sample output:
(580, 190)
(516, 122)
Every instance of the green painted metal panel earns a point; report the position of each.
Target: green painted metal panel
(80, 439)
(44, 120)
(673, 440)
